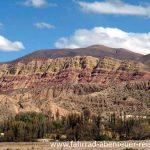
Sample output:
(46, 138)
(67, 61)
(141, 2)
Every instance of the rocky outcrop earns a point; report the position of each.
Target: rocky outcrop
(70, 84)
(74, 98)
(70, 70)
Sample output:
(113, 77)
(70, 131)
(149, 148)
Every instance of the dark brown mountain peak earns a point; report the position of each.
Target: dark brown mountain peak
(99, 51)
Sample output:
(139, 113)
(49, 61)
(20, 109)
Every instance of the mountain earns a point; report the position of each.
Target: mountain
(98, 51)
(146, 59)
(70, 80)
(70, 70)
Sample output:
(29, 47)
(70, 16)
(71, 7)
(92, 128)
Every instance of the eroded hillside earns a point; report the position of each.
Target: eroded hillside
(103, 85)
(70, 71)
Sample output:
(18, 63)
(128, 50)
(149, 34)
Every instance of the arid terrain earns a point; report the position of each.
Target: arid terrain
(47, 146)
(74, 75)
(106, 80)
(112, 83)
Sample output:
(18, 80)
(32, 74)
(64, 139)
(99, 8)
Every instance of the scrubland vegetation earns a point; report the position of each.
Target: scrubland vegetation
(31, 126)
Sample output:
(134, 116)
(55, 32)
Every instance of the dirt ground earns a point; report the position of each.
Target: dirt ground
(49, 146)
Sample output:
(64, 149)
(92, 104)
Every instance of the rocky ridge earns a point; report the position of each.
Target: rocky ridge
(70, 84)
(70, 70)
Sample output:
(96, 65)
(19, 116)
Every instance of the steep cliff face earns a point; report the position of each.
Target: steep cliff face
(73, 83)
(70, 70)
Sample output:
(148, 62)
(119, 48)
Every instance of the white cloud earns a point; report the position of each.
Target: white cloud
(35, 3)
(112, 37)
(7, 45)
(44, 25)
(114, 7)
(38, 3)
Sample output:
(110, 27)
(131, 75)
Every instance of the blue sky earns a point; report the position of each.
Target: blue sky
(29, 25)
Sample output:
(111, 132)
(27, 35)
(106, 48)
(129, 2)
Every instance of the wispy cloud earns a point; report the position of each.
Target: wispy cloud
(117, 7)
(113, 37)
(44, 25)
(7, 45)
(38, 3)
